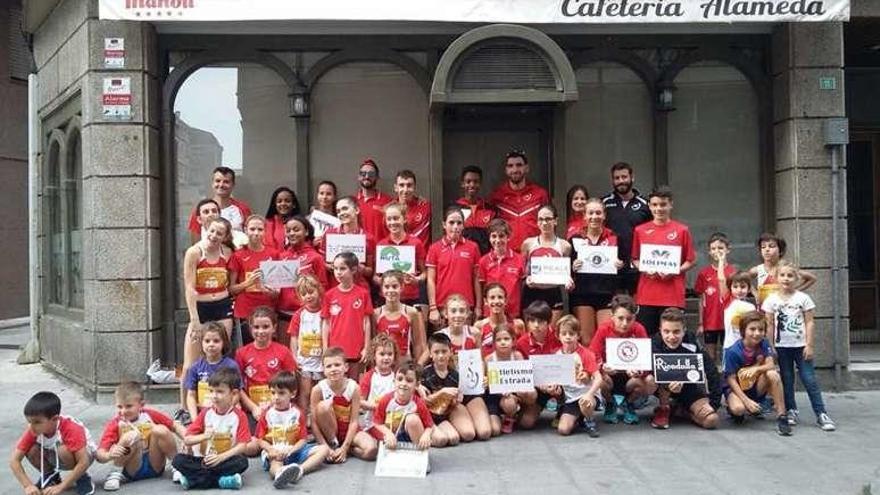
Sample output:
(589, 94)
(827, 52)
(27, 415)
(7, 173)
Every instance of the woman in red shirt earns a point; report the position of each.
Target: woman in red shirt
(282, 206)
(246, 277)
(348, 213)
(452, 264)
(576, 209)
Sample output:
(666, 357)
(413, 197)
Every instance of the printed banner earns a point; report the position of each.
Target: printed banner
(403, 462)
(550, 270)
(597, 259)
(685, 368)
(116, 98)
(391, 257)
(659, 258)
(114, 53)
(341, 243)
(628, 354)
(510, 376)
(322, 221)
(482, 11)
(470, 372)
(280, 274)
(553, 369)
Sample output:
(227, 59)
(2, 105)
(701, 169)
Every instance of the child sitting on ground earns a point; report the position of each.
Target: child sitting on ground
(402, 415)
(282, 433)
(222, 434)
(377, 381)
(581, 398)
(53, 442)
(503, 408)
(138, 440)
(440, 388)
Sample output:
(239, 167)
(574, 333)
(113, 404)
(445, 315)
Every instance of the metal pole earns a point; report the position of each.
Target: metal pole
(31, 352)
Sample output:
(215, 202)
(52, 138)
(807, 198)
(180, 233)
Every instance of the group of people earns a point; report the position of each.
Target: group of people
(352, 357)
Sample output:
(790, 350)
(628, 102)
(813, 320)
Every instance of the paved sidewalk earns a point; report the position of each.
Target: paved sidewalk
(626, 459)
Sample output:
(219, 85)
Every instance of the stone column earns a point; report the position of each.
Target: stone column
(805, 55)
(122, 209)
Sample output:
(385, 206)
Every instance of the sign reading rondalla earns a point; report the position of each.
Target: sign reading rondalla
(482, 11)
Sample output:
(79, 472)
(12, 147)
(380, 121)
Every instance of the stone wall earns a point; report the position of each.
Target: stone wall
(118, 334)
(802, 54)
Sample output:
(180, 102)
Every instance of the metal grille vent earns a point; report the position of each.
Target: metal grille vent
(19, 54)
(504, 66)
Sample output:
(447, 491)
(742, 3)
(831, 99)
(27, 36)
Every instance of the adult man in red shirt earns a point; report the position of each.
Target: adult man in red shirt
(658, 291)
(236, 211)
(518, 200)
(477, 212)
(418, 209)
(371, 201)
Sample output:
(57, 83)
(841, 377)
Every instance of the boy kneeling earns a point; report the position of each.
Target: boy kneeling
(282, 433)
(690, 396)
(750, 372)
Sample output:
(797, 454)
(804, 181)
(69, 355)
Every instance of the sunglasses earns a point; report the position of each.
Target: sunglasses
(367, 173)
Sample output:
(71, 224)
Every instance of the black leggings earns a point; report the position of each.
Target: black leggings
(200, 476)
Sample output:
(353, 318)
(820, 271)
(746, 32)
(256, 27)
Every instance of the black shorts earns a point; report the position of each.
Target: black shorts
(595, 301)
(627, 282)
(713, 336)
(438, 419)
(468, 398)
(571, 408)
(619, 380)
(493, 404)
(690, 393)
(552, 296)
(214, 310)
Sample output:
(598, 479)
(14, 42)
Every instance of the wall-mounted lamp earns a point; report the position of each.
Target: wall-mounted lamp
(299, 104)
(664, 100)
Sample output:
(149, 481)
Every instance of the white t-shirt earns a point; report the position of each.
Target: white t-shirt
(788, 315)
(732, 314)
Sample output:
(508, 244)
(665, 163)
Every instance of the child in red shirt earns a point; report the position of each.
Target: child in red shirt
(402, 322)
(246, 277)
(138, 440)
(711, 325)
(345, 314)
(452, 267)
(631, 386)
(540, 339)
(53, 442)
(582, 397)
(259, 361)
(282, 433)
(495, 302)
(402, 415)
(335, 406)
(504, 266)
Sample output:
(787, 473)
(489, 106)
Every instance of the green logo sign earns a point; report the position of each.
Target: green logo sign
(391, 254)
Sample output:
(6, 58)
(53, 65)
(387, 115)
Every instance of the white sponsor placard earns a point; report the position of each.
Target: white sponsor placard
(403, 462)
(280, 274)
(114, 53)
(596, 259)
(510, 376)
(392, 257)
(628, 354)
(341, 243)
(116, 98)
(550, 270)
(470, 372)
(659, 258)
(553, 369)
(483, 11)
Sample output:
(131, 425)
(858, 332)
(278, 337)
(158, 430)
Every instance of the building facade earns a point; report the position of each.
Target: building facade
(732, 116)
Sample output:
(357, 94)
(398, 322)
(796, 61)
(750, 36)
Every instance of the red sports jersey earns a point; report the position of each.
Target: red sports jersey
(341, 405)
(466, 344)
(258, 366)
(244, 262)
(70, 433)
(274, 234)
(480, 213)
(399, 329)
(520, 209)
(116, 428)
(282, 427)
(654, 291)
(575, 226)
(392, 413)
(487, 337)
(418, 219)
(454, 264)
(346, 311)
(713, 307)
(310, 263)
(372, 216)
(408, 291)
(230, 428)
(585, 361)
(509, 271)
(237, 218)
(606, 331)
(528, 346)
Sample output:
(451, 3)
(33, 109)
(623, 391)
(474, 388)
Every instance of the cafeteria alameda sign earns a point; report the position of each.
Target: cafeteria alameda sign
(481, 11)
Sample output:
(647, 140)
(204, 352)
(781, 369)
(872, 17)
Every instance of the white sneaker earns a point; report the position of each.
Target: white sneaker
(113, 481)
(826, 423)
(175, 476)
(290, 473)
(792, 417)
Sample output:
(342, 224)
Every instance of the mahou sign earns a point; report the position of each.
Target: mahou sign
(482, 11)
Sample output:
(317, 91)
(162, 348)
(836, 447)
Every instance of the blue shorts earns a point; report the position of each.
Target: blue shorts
(145, 472)
(403, 436)
(300, 456)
